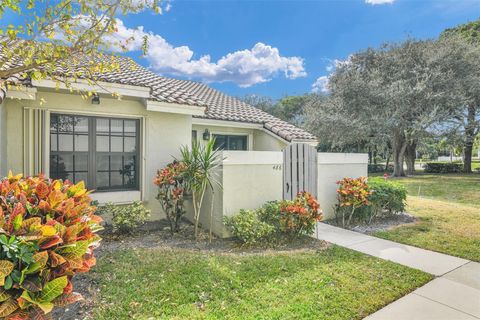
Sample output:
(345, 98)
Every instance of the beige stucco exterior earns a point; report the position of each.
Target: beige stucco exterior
(22, 138)
(162, 134)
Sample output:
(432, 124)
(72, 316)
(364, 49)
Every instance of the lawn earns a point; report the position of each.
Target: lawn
(456, 188)
(163, 283)
(448, 208)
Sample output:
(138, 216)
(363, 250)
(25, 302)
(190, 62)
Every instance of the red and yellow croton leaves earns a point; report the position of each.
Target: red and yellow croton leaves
(47, 235)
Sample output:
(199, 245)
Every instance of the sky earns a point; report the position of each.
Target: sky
(278, 48)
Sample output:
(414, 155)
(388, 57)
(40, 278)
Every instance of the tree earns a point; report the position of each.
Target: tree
(395, 92)
(459, 51)
(67, 35)
(289, 108)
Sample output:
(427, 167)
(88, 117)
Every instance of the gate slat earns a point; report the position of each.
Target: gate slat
(299, 170)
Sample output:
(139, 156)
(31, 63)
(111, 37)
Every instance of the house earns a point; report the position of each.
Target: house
(117, 145)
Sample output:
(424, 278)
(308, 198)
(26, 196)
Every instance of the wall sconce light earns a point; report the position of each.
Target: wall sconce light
(95, 99)
(206, 135)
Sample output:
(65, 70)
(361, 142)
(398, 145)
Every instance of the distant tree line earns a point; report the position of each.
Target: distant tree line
(397, 99)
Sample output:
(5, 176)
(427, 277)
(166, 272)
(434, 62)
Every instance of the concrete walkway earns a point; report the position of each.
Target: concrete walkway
(453, 295)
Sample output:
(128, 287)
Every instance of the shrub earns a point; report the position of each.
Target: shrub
(378, 168)
(387, 197)
(126, 218)
(363, 199)
(353, 194)
(300, 215)
(286, 217)
(248, 228)
(442, 167)
(48, 235)
(171, 189)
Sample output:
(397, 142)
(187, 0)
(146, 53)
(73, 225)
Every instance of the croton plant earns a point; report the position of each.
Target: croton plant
(47, 235)
(299, 216)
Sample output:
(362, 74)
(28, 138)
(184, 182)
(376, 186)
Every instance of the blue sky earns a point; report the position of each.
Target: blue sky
(277, 48)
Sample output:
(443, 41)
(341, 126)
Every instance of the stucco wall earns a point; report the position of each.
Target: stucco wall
(258, 140)
(163, 134)
(250, 179)
(333, 167)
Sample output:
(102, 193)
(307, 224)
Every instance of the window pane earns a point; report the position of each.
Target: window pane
(116, 179)
(116, 127)
(220, 142)
(102, 180)
(53, 123)
(129, 163)
(53, 142)
(81, 125)
(65, 123)
(116, 144)
(116, 163)
(65, 142)
(81, 176)
(103, 143)
(130, 127)
(130, 179)
(102, 162)
(102, 125)
(237, 143)
(81, 142)
(65, 162)
(130, 144)
(53, 165)
(81, 162)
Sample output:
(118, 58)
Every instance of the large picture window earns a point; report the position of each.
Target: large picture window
(103, 152)
(230, 142)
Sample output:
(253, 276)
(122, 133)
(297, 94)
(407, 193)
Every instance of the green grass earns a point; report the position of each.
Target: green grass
(448, 209)
(335, 283)
(456, 188)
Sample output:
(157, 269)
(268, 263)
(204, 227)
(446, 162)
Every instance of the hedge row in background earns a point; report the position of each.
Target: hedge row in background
(442, 167)
(379, 168)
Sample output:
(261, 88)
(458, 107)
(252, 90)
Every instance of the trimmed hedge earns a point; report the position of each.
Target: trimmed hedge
(443, 167)
(376, 168)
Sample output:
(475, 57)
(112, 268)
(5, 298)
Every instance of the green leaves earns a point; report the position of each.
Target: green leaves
(50, 291)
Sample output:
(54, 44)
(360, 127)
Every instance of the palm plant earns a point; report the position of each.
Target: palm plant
(202, 162)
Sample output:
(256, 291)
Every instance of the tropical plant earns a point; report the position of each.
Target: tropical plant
(171, 190)
(126, 218)
(48, 234)
(277, 218)
(353, 194)
(300, 215)
(201, 164)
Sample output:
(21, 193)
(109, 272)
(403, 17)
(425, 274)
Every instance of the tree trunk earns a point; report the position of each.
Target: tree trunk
(469, 139)
(398, 149)
(410, 156)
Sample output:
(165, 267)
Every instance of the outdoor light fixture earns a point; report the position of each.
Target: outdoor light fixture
(206, 135)
(95, 99)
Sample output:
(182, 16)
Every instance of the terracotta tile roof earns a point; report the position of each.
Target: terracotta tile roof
(219, 106)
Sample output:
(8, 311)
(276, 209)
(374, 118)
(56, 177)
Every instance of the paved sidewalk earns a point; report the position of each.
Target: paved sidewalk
(453, 295)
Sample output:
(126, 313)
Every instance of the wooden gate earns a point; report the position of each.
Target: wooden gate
(299, 170)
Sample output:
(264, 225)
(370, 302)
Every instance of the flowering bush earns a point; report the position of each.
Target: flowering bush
(47, 236)
(171, 187)
(352, 193)
(300, 215)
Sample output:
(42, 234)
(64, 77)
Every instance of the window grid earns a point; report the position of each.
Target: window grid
(127, 171)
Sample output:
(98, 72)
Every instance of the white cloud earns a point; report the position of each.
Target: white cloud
(245, 67)
(321, 84)
(374, 2)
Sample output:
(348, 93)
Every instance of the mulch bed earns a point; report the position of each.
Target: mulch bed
(380, 224)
